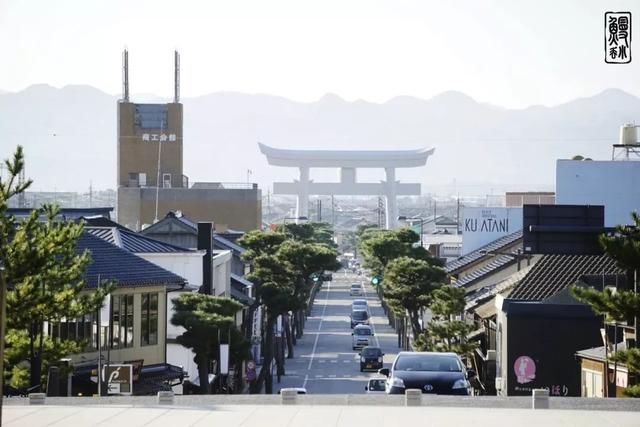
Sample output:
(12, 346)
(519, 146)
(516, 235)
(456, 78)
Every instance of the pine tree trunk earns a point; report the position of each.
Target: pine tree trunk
(415, 323)
(203, 373)
(289, 336)
(35, 360)
(265, 378)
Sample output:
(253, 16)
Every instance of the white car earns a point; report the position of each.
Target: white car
(356, 289)
(362, 336)
(359, 304)
(299, 390)
(376, 386)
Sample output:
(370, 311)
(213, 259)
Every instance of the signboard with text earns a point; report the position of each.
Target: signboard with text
(119, 379)
(481, 226)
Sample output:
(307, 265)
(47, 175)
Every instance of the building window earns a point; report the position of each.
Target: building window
(151, 116)
(81, 330)
(149, 313)
(121, 321)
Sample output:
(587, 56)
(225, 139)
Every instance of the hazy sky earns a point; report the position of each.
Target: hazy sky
(510, 53)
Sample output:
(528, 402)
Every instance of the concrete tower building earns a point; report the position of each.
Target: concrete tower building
(151, 179)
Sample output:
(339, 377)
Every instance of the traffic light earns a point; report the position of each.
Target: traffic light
(316, 278)
(375, 280)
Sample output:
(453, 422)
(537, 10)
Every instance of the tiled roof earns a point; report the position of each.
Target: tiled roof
(553, 273)
(499, 263)
(133, 242)
(223, 243)
(109, 262)
(479, 296)
(244, 282)
(474, 256)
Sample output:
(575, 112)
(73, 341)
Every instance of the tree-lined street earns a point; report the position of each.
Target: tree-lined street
(325, 362)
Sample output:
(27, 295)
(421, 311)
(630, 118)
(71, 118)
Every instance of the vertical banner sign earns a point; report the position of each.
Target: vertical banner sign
(617, 37)
(224, 359)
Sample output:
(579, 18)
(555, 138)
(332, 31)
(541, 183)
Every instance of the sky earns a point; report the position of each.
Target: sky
(508, 53)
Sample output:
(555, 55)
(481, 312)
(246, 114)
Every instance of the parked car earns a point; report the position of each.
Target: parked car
(375, 386)
(361, 336)
(436, 373)
(371, 358)
(359, 304)
(359, 317)
(299, 390)
(356, 289)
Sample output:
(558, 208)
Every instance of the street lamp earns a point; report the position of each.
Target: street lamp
(518, 256)
(422, 220)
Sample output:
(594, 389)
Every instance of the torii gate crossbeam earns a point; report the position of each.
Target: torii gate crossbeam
(347, 162)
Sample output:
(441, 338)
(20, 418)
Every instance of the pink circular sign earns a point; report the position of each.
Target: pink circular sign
(525, 369)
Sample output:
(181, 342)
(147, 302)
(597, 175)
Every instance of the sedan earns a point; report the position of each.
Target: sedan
(435, 373)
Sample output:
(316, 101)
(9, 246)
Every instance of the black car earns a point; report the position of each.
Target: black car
(359, 317)
(436, 373)
(371, 358)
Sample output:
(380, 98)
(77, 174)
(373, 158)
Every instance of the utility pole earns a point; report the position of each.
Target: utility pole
(319, 210)
(333, 213)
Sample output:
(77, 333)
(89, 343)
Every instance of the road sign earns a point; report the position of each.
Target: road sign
(119, 378)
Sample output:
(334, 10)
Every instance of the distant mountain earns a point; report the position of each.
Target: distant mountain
(69, 135)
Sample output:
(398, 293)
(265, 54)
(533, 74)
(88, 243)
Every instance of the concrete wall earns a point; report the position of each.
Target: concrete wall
(137, 155)
(239, 209)
(614, 184)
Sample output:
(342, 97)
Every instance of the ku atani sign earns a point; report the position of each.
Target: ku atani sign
(481, 226)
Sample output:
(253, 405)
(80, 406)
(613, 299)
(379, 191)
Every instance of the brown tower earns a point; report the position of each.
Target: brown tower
(149, 135)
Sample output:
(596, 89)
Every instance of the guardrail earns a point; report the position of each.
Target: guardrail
(512, 402)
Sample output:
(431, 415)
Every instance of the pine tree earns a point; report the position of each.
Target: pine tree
(623, 305)
(445, 332)
(409, 286)
(209, 320)
(45, 276)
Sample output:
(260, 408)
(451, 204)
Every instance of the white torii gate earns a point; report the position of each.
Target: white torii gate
(347, 162)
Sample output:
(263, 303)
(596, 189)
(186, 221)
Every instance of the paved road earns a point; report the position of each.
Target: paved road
(324, 361)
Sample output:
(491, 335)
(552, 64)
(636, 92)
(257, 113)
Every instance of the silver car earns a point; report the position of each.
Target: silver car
(362, 336)
(356, 289)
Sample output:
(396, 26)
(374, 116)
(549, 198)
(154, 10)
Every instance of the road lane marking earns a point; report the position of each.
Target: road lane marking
(334, 361)
(315, 344)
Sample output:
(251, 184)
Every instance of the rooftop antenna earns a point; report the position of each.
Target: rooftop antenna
(125, 75)
(176, 83)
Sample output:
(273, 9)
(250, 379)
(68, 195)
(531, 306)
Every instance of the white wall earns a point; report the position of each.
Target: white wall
(222, 273)
(481, 226)
(614, 184)
(185, 264)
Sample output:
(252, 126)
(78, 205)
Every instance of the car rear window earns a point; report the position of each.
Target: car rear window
(371, 352)
(376, 385)
(427, 363)
(360, 315)
(362, 331)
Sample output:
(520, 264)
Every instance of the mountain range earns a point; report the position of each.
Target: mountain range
(69, 136)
